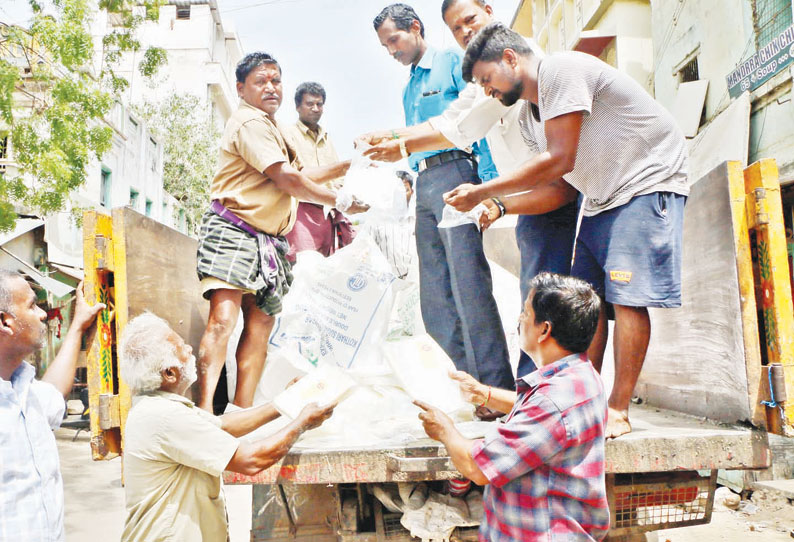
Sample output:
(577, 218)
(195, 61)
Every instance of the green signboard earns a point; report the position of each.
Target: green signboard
(764, 64)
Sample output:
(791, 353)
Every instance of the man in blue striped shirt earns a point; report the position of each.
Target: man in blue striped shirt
(31, 488)
(458, 307)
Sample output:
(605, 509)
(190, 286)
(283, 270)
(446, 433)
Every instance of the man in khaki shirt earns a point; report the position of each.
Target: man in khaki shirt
(241, 258)
(175, 452)
(313, 229)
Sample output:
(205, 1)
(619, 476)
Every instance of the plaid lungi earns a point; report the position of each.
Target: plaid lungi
(228, 253)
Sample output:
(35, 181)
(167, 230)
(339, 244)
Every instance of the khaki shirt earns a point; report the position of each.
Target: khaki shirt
(174, 454)
(314, 150)
(250, 144)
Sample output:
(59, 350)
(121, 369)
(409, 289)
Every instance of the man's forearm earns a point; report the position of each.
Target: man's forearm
(61, 372)
(426, 138)
(459, 449)
(323, 174)
(297, 185)
(254, 457)
(501, 400)
(417, 130)
(242, 422)
(541, 170)
(541, 200)
(418, 138)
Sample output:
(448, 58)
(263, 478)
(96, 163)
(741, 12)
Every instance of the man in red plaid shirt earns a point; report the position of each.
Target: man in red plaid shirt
(543, 467)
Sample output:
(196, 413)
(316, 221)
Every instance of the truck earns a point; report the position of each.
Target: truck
(737, 317)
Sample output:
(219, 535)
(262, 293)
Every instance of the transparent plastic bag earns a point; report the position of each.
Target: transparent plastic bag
(376, 184)
(452, 218)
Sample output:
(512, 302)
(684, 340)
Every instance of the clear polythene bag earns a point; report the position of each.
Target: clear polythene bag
(377, 185)
(452, 218)
(338, 308)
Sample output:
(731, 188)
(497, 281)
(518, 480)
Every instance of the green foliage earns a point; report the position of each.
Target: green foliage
(184, 124)
(153, 58)
(55, 91)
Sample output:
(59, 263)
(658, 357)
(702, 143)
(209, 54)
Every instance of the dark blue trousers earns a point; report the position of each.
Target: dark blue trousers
(546, 244)
(456, 297)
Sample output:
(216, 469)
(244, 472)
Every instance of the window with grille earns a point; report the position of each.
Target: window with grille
(132, 129)
(771, 17)
(183, 12)
(690, 71)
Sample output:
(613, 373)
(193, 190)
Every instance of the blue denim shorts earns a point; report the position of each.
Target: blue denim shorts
(632, 254)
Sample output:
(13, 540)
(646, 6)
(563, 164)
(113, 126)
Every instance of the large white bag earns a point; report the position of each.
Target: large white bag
(338, 308)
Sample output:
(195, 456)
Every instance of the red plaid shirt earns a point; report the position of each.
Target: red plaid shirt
(545, 463)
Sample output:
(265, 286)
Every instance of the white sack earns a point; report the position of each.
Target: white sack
(338, 308)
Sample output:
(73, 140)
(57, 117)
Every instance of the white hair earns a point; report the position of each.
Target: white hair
(145, 352)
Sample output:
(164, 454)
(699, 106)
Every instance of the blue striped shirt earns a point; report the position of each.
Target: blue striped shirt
(31, 488)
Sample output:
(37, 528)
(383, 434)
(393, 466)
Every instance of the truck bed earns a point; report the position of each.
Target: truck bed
(661, 441)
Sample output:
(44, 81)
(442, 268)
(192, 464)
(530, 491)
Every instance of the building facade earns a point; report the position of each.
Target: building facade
(202, 50)
(617, 31)
(692, 43)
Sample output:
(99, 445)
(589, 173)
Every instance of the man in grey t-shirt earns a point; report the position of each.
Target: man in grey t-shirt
(605, 136)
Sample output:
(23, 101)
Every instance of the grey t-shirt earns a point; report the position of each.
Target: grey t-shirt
(629, 145)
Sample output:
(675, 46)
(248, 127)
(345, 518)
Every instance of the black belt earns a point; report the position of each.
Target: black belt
(448, 156)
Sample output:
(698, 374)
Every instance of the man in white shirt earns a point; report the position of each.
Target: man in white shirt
(545, 240)
(31, 487)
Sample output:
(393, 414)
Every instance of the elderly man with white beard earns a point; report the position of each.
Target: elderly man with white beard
(175, 452)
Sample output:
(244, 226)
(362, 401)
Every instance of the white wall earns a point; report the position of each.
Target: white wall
(202, 56)
(628, 20)
(720, 30)
(721, 33)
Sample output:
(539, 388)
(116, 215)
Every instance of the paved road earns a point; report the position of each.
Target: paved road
(94, 497)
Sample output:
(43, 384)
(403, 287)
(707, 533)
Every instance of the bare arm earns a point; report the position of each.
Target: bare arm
(254, 457)
(242, 422)
(298, 185)
(61, 372)
(544, 199)
(327, 173)
(478, 393)
(459, 449)
(440, 427)
(562, 134)
(541, 200)
(417, 138)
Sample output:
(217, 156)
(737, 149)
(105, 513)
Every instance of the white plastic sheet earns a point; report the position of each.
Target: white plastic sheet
(350, 294)
(324, 385)
(421, 367)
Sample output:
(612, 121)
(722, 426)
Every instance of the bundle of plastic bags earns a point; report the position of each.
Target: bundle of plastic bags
(338, 314)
